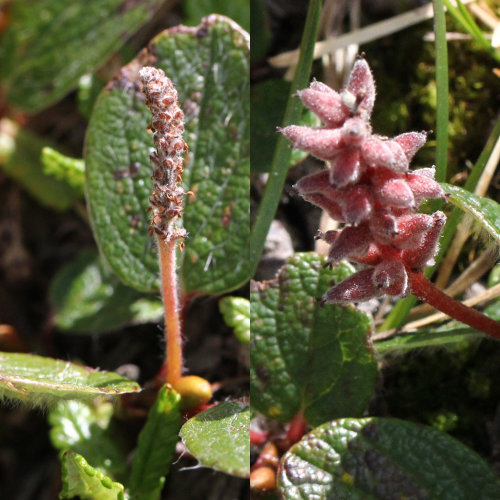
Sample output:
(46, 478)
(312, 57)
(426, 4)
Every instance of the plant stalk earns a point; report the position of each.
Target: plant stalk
(422, 288)
(171, 370)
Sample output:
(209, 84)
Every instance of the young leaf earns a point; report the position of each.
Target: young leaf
(220, 438)
(84, 429)
(304, 356)
(82, 480)
(20, 152)
(64, 168)
(88, 298)
(484, 211)
(210, 71)
(48, 46)
(236, 312)
(156, 446)
(41, 381)
(383, 458)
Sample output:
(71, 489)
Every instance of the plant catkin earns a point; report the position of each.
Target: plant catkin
(167, 124)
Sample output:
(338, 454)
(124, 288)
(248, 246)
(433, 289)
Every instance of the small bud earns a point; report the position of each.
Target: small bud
(411, 228)
(420, 257)
(411, 142)
(317, 182)
(195, 391)
(395, 193)
(331, 207)
(423, 187)
(351, 240)
(378, 152)
(326, 104)
(263, 479)
(362, 86)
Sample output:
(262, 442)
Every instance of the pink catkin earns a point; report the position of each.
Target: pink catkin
(369, 187)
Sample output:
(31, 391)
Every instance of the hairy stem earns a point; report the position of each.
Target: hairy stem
(422, 288)
(171, 370)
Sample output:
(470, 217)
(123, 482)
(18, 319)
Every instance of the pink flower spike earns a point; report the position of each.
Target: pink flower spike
(411, 142)
(317, 182)
(390, 277)
(362, 86)
(326, 105)
(345, 168)
(356, 203)
(351, 240)
(322, 143)
(357, 287)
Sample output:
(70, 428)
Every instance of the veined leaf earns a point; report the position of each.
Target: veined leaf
(82, 480)
(209, 66)
(381, 458)
(41, 381)
(220, 438)
(305, 357)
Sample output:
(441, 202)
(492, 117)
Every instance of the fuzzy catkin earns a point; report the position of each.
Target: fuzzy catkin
(167, 124)
(368, 187)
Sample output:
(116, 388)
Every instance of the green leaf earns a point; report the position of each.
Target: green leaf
(236, 312)
(84, 427)
(379, 458)
(306, 357)
(20, 152)
(41, 381)
(209, 66)
(220, 438)
(238, 10)
(88, 298)
(268, 102)
(64, 168)
(49, 44)
(82, 480)
(484, 211)
(156, 446)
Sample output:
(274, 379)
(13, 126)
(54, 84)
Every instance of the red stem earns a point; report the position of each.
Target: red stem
(171, 371)
(296, 429)
(422, 288)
